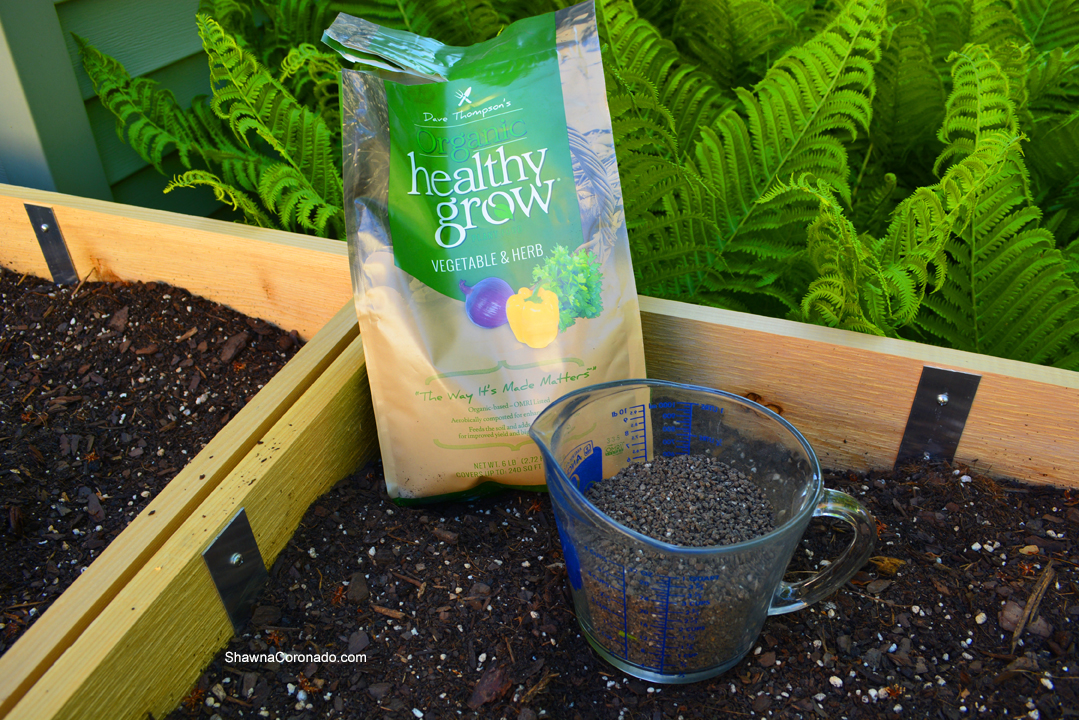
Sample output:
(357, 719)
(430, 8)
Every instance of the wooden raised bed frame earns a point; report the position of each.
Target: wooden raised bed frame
(133, 633)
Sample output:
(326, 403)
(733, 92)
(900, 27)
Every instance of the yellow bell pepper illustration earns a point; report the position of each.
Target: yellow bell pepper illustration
(533, 317)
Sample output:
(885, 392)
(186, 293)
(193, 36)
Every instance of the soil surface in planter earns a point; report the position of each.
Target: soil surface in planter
(106, 392)
(967, 609)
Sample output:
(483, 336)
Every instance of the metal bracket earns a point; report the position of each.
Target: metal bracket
(937, 415)
(237, 569)
(53, 247)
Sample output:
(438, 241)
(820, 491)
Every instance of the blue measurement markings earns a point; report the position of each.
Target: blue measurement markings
(636, 434)
(668, 633)
(677, 427)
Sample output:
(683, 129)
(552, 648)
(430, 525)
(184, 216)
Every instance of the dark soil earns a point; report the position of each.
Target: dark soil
(462, 609)
(106, 392)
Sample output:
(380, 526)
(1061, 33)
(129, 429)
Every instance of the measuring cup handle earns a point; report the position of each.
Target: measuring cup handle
(795, 596)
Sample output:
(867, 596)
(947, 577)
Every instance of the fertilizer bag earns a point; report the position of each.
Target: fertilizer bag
(487, 243)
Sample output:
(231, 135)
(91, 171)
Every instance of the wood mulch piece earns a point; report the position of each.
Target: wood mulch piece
(107, 390)
(462, 609)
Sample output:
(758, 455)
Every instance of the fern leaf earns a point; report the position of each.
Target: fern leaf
(235, 162)
(1052, 84)
(1050, 23)
(287, 193)
(1071, 260)
(864, 284)
(726, 37)
(845, 267)
(957, 23)
(1053, 106)
(909, 102)
(994, 23)
(250, 99)
(1008, 291)
(795, 122)
(638, 50)
(453, 22)
(949, 30)
(661, 13)
(313, 80)
(980, 104)
(872, 207)
(234, 15)
(1062, 204)
(148, 118)
(225, 193)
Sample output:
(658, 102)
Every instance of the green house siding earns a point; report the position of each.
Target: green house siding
(151, 38)
(144, 35)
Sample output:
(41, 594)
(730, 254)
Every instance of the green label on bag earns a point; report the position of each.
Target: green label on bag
(481, 178)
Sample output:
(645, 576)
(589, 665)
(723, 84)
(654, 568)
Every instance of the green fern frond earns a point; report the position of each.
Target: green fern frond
(818, 16)
(669, 233)
(1050, 23)
(980, 104)
(956, 23)
(949, 25)
(235, 162)
(846, 269)
(796, 120)
(250, 99)
(872, 207)
(312, 77)
(1052, 84)
(994, 22)
(909, 102)
(726, 37)
(456, 22)
(1054, 153)
(1008, 291)
(288, 194)
(232, 14)
(1062, 205)
(869, 285)
(297, 21)
(1071, 260)
(661, 13)
(287, 24)
(225, 193)
(637, 50)
(148, 118)
(704, 32)
(912, 250)
(513, 10)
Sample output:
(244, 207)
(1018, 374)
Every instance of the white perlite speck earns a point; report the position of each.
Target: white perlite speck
(836, 682)
(980, 618)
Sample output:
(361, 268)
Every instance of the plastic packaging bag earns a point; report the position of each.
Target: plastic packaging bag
(487, 242)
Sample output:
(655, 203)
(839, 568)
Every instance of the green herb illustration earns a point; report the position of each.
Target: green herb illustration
(907, 168)
(576, 280)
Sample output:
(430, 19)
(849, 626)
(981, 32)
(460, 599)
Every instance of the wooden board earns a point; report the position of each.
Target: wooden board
(294, 281)
(74, 611)
(850, 394)
(149, 645)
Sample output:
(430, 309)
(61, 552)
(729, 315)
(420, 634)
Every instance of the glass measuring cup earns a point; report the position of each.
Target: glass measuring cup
(677, 614)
